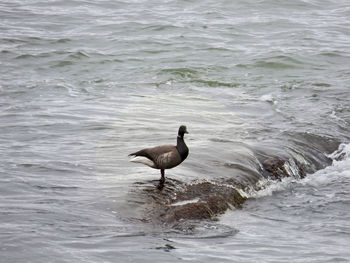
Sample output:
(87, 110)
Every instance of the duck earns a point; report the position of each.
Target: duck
(165, 156)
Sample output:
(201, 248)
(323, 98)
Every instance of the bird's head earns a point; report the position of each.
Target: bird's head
(182, 131)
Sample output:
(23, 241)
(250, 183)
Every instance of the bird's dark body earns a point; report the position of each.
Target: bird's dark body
(165, 156)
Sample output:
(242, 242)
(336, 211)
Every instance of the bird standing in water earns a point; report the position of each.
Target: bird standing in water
(165, 156)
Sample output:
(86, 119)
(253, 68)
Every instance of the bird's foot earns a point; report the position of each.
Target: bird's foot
(161, 183)
(160, 186)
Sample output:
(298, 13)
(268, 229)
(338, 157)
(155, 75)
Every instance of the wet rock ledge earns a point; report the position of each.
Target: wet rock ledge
(178, 201)
(203, 200)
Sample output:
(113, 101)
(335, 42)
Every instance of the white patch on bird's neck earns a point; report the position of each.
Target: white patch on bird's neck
(143, 160)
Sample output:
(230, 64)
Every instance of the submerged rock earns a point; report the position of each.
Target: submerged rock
(278, 169)
(177, 201)
(205, 200)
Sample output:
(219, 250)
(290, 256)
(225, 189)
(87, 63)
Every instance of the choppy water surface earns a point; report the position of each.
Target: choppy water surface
(84, 83)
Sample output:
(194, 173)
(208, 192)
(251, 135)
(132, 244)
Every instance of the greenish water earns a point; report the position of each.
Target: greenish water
(84, 83)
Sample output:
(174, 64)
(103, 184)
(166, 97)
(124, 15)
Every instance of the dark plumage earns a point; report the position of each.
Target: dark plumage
(165, 156)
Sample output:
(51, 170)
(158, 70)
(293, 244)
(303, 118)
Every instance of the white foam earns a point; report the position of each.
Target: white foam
(339, 169)
(268, 98)
(269, 187)
(343, 153)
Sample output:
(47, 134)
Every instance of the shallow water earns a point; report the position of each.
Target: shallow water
(82, 84)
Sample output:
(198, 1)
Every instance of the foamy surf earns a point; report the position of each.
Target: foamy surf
(339, 169)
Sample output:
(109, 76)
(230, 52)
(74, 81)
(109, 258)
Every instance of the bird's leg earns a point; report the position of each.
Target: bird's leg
(162, 178)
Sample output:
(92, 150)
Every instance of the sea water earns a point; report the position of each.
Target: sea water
(85, 83)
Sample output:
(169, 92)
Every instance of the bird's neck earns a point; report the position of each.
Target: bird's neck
(182, 147)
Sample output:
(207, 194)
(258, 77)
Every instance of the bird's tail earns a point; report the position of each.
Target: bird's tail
(142, 157)
(139, 153)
